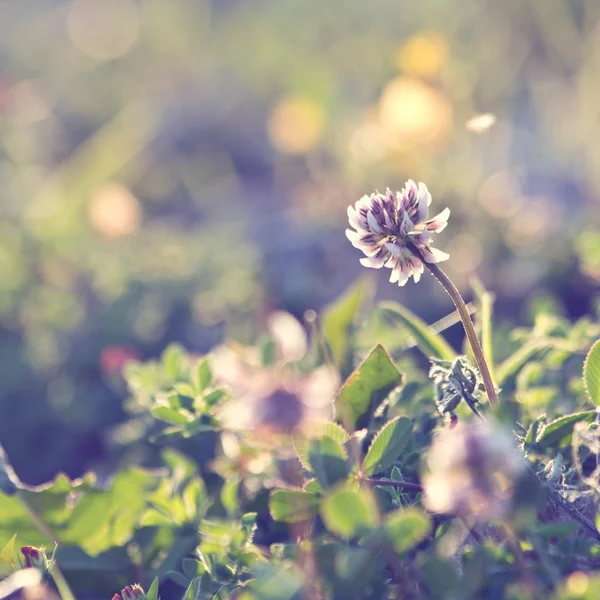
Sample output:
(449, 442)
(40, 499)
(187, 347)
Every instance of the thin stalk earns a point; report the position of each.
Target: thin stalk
(401, 484)
(465, 317)
(61, 583)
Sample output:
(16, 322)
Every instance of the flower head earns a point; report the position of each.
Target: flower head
(274, 401)
(394, 231)
(472, 470)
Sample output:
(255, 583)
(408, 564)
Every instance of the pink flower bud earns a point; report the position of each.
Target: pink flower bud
(35, 557)
(133, 592)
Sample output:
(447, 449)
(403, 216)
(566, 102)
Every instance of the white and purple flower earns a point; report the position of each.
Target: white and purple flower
(394, 231)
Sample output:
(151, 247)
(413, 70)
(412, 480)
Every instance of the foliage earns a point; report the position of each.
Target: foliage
(335, 510)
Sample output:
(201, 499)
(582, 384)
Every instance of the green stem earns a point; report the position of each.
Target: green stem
(463, 312)
(401, 484)
(61, 584)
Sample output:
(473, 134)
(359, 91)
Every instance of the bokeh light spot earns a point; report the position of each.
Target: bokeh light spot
(423, 55)
(114, 211)
(105, 29)
(481, 123)
(296, 125)
(413, 111)
(578, 583)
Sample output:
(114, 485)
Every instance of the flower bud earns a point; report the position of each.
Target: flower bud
(35, 557)
(133, 592)
(116, 597)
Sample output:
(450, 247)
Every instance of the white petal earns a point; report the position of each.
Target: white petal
(353, 236)
(423, 191)
(433, 255)
(353, 218)
(403, 279)
(373, 262)
(395, 275)
(418, 269)
(439, 222)
(373, 224)
(409, 186)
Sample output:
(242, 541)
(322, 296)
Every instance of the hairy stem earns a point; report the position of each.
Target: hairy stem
(401, 484)
(463, 312)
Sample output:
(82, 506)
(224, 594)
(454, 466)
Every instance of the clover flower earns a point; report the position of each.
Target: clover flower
(394, 231)
(270, 401)
(472, 471)
(274, 399)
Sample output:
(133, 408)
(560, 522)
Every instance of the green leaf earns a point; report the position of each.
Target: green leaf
(551, 530)
(326, 429)
(339, 317)
(430, 343)
(174, 417)
(562, 429)
(193, 591)
(173, 360)
(348, 512)
(120, 507)
(533, 431)
(277, 582)
(591, 373)
(7, 557)
(229, 496)
(372, 380)
(328, 461)
(292, 506)
(203, 374)
(514, 363)
(152, 593)
(192, 568)
(406, 528)
(387, 445)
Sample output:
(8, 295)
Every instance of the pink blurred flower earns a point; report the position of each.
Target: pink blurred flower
(394, 231)
(472, 471)
(114, 358)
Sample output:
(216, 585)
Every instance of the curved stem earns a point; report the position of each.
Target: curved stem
(463, 312)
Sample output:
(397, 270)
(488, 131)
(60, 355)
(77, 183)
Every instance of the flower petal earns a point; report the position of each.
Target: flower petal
(418, 268)
(374, 262)
(393, 248)
(424, 200)
(433, 255)
(423, 191)
(354, 219)
(439, 222)
(373, 224)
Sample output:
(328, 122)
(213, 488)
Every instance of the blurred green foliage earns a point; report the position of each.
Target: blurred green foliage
(174, 170)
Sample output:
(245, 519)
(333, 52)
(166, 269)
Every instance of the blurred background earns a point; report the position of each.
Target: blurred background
(172, 170)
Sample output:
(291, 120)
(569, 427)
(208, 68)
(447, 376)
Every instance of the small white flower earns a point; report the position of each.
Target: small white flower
(394, 231)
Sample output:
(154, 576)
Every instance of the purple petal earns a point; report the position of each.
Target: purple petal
(373, 224)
